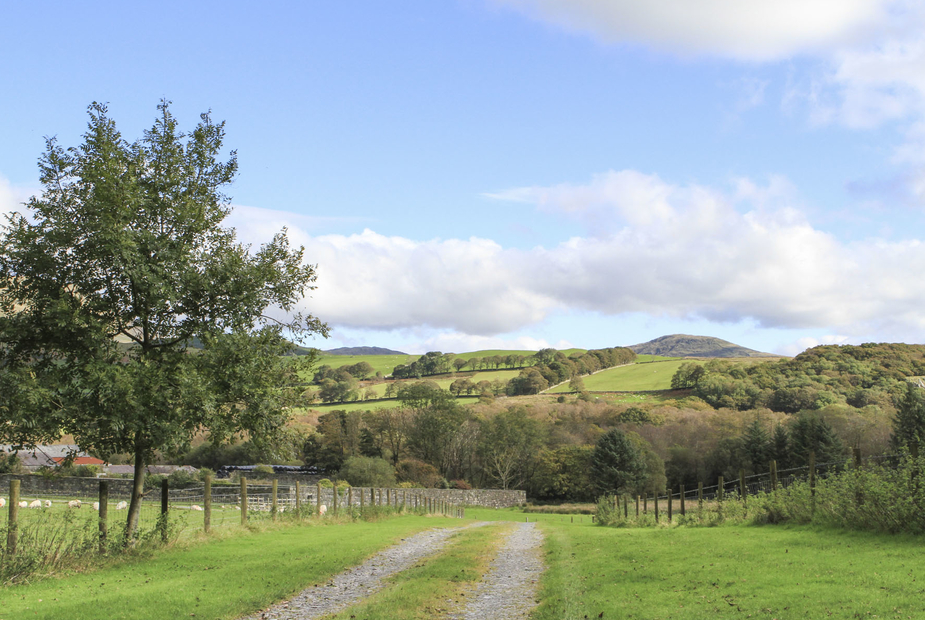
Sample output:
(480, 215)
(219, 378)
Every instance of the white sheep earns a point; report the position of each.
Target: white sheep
(47, 503)
(196, 508)
(36, 503)
(96, 506)
(322, 509)
(23, 504)
(122, 505)
(2, 502)
(74, 503)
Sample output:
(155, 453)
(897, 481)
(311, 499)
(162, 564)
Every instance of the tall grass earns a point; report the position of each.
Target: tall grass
(886, 498)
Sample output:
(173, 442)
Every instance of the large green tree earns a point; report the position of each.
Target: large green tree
(617, 465)
(130, 318)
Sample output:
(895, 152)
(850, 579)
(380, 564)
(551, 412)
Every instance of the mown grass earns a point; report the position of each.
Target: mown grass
(730, 571)
(635, 377)
(226, 576)
(438, 585)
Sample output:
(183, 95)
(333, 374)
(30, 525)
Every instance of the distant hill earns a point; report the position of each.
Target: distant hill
(682, 345)
(363, 351)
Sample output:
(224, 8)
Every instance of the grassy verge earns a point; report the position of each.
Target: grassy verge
(223, 577)
(438, 586)
(741, 571)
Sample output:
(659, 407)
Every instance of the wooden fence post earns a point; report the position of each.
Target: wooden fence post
(274, 502)
(362, 498)
(683, 511)
(700, 500)
(742, 490)
(243, 500)
(669, 505)
(637, 506)
(349, 497)
(334, 501)
(655, 501)
(104, 514)
(318, 501)
(388, 497)
(645, 503)
(812, 482)
(626, 508)
(773, 475)
(165, 507)
(298, 499)
(207, 505)
(720, 488)
(12, 531)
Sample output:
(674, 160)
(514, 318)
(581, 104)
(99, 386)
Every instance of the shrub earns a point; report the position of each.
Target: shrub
(460, 484)
(365, 471)
(264, 470)
(181, 478)
(324, 483)
(419, 472)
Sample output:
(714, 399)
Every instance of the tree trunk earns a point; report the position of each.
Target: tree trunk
(138, 487)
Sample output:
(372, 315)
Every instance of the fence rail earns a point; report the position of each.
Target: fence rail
(208, 505)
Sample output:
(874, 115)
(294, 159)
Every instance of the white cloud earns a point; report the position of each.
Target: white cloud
(802, 344)
(666, 250)
(755, 30)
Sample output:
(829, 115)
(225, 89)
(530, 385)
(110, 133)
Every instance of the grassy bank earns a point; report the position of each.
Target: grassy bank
(224, 577)
(731, 571)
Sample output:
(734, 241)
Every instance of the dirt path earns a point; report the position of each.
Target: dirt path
(508, 589)
(361, 581)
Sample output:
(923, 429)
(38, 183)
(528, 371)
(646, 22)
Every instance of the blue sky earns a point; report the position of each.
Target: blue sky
(525, 173)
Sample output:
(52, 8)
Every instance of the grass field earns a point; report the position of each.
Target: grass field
(643, 377)
(780, 572)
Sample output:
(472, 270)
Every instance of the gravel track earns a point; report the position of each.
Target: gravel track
(508, 589)
(359, 582)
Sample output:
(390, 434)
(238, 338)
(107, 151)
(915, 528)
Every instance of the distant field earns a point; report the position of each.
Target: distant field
(632, 378)
(380, 363)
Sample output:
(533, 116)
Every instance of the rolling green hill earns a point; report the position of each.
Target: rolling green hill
(633, 378)
(682, 345)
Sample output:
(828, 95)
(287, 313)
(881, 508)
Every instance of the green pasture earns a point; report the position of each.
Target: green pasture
(223, 577)
(380, 363)
(730, 571)
(634, 377)
(782, 572)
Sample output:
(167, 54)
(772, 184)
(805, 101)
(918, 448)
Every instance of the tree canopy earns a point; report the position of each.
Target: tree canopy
(130, 318)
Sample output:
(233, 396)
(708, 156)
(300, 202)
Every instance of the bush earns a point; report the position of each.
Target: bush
(264, 470)
(205, 471)
(365, 471)
(462, 485)
(419, 472)
(324, 483)
(10, 463)
(181, 479)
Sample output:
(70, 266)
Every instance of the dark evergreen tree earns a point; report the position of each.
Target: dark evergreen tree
(909, 421)
(616, 464)
(756, 443)
(780, 447)
(809, 432)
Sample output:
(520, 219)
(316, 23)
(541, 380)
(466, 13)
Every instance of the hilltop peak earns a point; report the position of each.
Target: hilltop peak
(683, 345)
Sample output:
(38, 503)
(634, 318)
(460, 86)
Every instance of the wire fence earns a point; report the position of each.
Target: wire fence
(676, 501)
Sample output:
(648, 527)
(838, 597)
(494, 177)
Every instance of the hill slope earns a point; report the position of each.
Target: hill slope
(682, 345)
(363, 351)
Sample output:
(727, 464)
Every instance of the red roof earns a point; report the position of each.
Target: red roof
(82, 460)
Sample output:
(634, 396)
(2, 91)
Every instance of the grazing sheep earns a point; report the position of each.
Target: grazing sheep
(23, 504)
(74, 503)
(122, 505)
(96, 506)
(322, 509)
(196, 508)
(2, 502)
(47, 503)
(36, 503)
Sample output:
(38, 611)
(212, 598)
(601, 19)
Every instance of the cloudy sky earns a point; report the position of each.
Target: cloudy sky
(523, 173)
